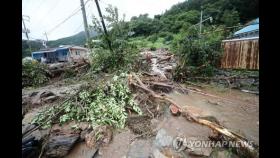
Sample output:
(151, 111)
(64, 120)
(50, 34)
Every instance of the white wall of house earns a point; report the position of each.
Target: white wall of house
(77, 54)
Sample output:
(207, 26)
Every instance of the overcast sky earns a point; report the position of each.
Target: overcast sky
(47, 14)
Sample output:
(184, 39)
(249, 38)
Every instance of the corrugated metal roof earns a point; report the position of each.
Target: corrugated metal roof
(62, 47)
(254, 26)
(249, 28)
(256, 21)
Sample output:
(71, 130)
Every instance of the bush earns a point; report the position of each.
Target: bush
(169, 37)
(122, 53)
(33, 73)
(153, 48)
(122, 58)
(204, 52)
(69, 73)
(153, 38)
(199, 51)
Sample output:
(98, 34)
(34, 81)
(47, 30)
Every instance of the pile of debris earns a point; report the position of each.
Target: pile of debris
(149, 90)
(56, 69)
(247, 81)
(161, 62)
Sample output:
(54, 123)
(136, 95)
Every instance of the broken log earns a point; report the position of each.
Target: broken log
(253, 152)
(189, 116)
(166, 58)
(161, 86)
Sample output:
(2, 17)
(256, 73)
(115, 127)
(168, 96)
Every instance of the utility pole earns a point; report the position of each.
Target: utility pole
(46, 36)
(45, 44)
(26, 33)
(25, 30)
(85, 19)
(103, 24)
(200, 24)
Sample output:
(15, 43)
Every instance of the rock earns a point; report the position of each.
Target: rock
(162, 139)
(90, 139)
(80, 150)
(45, 94)
(223, 154)
(158, 154)
(84, 133)
(84, 125)
(168, 152)
(140, 149)
(168, 68)
(154, 123)
(27, 127)
(33, 94)
(66, 128)
(59, 146)
(102, 135)
(196, 148)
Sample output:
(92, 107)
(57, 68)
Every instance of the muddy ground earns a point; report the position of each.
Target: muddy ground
(152, 134)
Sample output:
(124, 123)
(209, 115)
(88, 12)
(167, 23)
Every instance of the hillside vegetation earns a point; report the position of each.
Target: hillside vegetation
(177, 29)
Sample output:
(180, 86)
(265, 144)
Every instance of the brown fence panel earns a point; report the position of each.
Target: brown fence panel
(241, 54)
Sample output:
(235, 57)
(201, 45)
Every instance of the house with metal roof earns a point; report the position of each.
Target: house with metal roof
(61, 54)
(251, 30)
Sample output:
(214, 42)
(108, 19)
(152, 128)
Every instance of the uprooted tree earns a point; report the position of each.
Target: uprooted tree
(123, 54)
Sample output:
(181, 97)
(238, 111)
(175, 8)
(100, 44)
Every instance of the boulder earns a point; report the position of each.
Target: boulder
(60, 145)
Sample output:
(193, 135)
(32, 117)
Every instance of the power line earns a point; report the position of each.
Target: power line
(50, 10)
(70, 16)
(40, 4)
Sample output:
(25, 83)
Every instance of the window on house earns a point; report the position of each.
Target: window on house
(77, 53)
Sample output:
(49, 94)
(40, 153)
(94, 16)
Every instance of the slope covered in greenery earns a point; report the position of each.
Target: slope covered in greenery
(178, 29)
(35, 45)
(77, 39)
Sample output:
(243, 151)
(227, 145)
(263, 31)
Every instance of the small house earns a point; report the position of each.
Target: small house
(242, 50)
(61, 54)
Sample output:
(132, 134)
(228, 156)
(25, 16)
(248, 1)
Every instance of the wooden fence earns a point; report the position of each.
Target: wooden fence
(241, 53)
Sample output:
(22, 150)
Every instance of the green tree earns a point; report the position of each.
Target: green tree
(230, 17)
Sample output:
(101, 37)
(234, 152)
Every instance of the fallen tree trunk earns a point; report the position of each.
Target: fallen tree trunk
(164, 59)
(244, 142)
(253, 152)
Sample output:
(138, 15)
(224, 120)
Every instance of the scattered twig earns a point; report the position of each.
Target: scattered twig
(149, 111)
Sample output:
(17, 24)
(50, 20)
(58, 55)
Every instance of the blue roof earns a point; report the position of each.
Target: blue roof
(254, 25)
